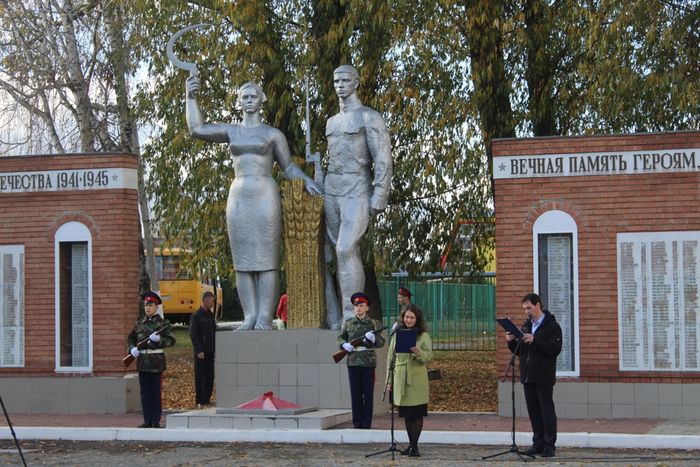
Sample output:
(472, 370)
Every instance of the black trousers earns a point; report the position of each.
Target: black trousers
(543, 417)
(204, 378)
(362, 395)
(150, 385)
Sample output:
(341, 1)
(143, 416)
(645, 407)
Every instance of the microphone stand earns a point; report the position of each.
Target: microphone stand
(12, 430)
(393, 446)
(513, 447)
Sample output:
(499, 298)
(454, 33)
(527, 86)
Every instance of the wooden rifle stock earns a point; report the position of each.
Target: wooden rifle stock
(142, 345)
(340, 354)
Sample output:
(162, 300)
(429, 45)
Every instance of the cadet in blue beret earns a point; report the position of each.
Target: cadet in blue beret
(362, 360)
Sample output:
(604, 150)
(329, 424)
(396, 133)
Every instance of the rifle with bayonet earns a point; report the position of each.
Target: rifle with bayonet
(143, 344)
(314, 158)
(356, 342)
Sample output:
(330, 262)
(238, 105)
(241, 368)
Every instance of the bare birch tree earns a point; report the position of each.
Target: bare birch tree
(66, 65)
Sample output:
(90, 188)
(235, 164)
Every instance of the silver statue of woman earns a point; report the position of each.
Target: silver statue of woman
(254, 211)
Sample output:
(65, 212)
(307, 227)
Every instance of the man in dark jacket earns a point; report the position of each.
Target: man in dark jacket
(203, 337)
(537, 351)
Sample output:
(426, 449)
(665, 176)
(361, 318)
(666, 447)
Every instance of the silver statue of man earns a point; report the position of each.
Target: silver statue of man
(253, 212)
(357, 184)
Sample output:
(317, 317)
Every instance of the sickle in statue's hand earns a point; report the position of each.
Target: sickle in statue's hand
(191, 67)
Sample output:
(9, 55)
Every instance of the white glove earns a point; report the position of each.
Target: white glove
(370, 336)
(155, 338)
(348, 347)
(134, 352)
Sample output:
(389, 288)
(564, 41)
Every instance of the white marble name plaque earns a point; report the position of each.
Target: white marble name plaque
(11, 306)
(658, 302)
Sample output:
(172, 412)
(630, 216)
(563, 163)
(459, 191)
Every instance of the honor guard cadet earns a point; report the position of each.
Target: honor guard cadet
(362, 360)
(404, 298)
(146, 342)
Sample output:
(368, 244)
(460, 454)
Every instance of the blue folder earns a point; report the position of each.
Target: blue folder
(405, 339)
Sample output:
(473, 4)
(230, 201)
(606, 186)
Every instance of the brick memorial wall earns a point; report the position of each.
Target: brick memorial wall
(69, 243)
(607, 230)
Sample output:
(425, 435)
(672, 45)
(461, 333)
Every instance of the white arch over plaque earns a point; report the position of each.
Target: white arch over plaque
(73, 298)
(555, 272)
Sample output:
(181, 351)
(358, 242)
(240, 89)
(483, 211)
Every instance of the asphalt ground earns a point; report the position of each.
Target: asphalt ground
(115, 453)
(57, 450)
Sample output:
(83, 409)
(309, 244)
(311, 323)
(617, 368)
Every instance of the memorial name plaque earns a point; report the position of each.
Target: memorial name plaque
(80, 312)
(555, 260)
(12, 302)
(658, 285)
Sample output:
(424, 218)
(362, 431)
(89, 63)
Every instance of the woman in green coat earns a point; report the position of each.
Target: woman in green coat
(409, 387)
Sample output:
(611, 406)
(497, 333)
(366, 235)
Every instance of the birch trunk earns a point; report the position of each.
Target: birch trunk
(129, 137)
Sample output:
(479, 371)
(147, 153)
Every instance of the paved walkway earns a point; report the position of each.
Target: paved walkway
(114, 453)
(439, 428)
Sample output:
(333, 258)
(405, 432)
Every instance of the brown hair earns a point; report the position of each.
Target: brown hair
(420, 325)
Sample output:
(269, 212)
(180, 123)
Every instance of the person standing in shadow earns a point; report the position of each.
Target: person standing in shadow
(203, 337)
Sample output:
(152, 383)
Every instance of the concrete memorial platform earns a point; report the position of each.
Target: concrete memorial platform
(296, 365)
(213, 419)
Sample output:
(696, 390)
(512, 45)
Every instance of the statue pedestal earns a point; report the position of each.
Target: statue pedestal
(296, 365)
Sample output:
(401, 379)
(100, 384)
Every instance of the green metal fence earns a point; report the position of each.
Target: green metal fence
(460, 316)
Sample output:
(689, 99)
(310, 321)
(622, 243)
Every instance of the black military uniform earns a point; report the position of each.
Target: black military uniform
(151, 361)
(203, 337)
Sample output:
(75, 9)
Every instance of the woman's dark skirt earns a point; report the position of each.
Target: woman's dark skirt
(413, 411)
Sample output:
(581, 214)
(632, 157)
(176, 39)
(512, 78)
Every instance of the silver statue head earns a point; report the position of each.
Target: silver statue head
(347, 69)
(250, 84)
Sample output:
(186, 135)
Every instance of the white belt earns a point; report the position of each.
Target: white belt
(361, 349)
(147, 351)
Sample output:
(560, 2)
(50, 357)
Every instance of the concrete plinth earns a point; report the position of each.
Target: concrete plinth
(67, 395)
(296, 365)
(612, 400)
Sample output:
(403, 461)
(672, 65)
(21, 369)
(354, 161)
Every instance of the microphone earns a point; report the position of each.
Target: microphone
(397, 325)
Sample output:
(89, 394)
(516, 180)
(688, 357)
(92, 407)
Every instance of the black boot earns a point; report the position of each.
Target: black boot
(417, 427)
(409, 431)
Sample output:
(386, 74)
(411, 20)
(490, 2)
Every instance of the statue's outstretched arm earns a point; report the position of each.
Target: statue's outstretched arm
(283, 156)
(216, 133)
